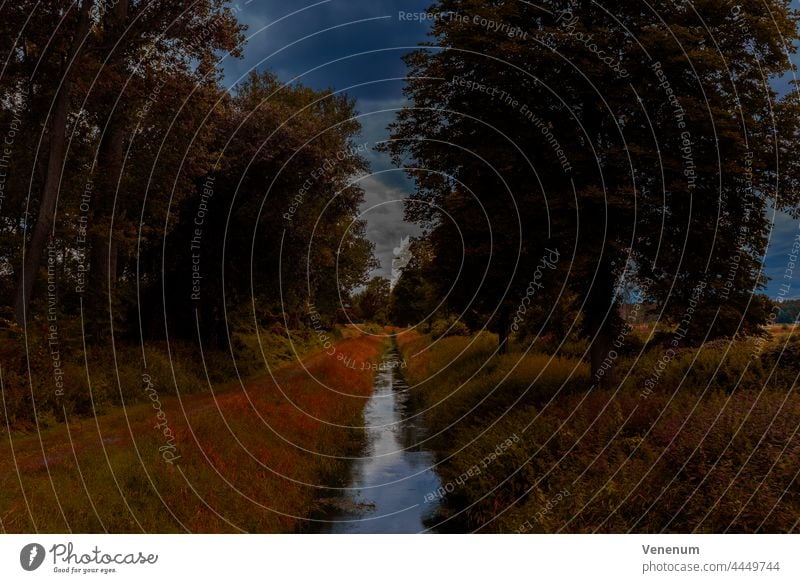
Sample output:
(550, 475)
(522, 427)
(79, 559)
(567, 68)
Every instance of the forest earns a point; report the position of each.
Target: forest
(135, 184)
(591, 327)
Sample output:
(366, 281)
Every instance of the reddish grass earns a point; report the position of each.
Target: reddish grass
(250, 456)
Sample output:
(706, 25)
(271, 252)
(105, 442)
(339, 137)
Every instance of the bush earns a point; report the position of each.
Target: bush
(102, 378)
(449, 326)
(782, 362)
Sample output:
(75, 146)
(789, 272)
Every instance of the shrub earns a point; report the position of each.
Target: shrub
(449, 326)
(107, 376)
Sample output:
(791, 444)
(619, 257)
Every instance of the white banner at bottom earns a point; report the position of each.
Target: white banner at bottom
(396, 558)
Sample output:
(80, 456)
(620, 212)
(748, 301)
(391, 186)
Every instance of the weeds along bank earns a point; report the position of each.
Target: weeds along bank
(524, 445)
(62, 375)
(241, 458)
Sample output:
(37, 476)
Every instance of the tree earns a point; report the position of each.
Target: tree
(640, 159)
(279, 234)
(373, 302)
(62, 54)
(97, 66)
(788, 312)
(414, 298)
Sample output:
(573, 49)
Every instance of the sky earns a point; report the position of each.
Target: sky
(347, 45)
(356, 46)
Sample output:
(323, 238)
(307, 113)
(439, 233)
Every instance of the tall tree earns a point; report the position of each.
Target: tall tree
(414, 296)
(100, 64)
(372, 303)
(158, 75)
(278, 214)
(62, 54)
(646, 144)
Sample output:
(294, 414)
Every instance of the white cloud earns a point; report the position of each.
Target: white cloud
(383, 212)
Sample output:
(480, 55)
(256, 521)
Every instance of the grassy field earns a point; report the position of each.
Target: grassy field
(780, 333)
(705, 440)
(238, 458)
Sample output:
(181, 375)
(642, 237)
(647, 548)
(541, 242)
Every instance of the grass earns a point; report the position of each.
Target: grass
(116, 374)
(713, 447)
(780, 334)
(251, 457)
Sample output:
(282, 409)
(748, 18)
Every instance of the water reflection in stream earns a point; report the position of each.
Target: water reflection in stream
(387, 487)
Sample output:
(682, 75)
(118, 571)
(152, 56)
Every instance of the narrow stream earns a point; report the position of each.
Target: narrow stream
(387, 487)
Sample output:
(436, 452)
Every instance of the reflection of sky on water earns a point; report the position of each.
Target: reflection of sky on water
(392, 481)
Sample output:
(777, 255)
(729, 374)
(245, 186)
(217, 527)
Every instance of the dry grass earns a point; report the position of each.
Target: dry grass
(714, 447)
(780, 333)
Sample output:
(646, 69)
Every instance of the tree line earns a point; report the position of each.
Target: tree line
(647, 145)
(140, 196)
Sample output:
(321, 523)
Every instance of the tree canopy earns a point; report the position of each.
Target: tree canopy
(645, 143)
(138, 193)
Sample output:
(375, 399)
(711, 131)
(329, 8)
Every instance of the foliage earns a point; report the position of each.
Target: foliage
(156, 184)
(641, 173)
(83, 384)
(414, 297)
(372, 303)
(789, 312)
(448, 326)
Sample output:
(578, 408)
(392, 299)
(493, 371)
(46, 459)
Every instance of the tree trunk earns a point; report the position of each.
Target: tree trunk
(43, 229)
(104, 241)
(104, 232)
(600, 353)
(502, 331)
(107, 206)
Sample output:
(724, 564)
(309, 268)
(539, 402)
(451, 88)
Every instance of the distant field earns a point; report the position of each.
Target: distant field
(780, 332)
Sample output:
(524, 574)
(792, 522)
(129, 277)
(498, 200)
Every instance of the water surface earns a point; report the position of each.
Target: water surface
(387, 487)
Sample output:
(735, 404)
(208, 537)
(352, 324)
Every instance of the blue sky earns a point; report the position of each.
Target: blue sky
(356, 46)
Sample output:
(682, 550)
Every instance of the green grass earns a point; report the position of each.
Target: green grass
(116, 376)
